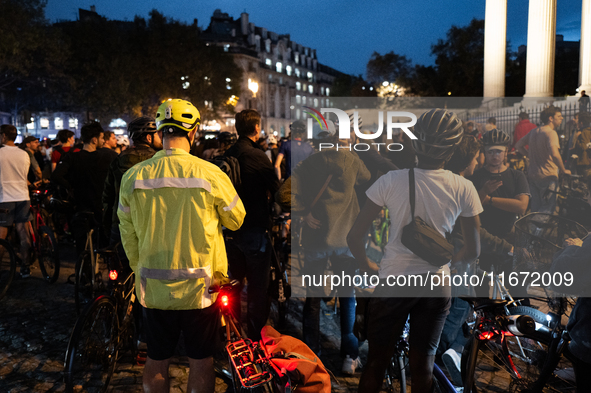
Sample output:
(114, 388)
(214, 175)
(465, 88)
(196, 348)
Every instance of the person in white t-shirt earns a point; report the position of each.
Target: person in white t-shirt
(441, 198)
(14, 191)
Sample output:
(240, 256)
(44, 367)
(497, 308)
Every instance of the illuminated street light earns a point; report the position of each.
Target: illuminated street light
(253, 86)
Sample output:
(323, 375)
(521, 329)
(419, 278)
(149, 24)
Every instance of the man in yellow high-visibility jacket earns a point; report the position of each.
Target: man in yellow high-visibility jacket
(172, 208)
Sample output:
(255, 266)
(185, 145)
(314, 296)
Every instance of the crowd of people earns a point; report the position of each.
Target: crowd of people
(182, 221)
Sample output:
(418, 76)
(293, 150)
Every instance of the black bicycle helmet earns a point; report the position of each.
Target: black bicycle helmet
(439, 132)
(496, 137)
(227, 138)
(298, 127)
(140, 126)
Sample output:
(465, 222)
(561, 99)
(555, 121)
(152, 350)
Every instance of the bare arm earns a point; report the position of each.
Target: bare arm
(516, 205)
(520, 145)
(471, 233)
(278, 165)
(356, 236)
(558, 160)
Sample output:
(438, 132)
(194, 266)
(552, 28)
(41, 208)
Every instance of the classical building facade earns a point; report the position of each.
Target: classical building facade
(276, 69)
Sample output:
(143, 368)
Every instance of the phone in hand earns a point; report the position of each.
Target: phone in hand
(495, 176)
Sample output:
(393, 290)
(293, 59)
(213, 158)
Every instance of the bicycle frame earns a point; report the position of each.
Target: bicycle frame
(245, 356)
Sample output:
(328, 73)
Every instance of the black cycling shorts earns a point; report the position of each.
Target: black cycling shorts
(14, 212)
(200, 330)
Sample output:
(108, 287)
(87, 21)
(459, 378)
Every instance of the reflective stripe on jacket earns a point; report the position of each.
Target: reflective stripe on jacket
(172, 208)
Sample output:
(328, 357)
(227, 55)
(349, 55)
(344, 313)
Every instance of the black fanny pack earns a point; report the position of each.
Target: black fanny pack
(420, 238)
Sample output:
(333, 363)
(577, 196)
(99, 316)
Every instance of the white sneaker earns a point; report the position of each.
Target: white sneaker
(453, 363)
(350, 365)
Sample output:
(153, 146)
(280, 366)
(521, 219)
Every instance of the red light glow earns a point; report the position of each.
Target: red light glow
(225, 301)
(485, 335)
(113, 275)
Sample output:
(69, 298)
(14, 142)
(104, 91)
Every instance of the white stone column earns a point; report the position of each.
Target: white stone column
(585, 56)
(541, 42)
(495, 47)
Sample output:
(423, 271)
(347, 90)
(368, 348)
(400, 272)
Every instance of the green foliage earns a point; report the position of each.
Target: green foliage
(460, 60)
(389, 67)
(129, 68)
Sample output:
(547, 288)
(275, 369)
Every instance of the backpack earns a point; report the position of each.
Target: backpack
(62, 152)
(231, 167)
(297, 361)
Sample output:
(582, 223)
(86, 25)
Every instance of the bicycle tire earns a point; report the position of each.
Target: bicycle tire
(7, 266)
(83, 288)
(395, 379)
(486, 366)
(91, 356)
(48, 255)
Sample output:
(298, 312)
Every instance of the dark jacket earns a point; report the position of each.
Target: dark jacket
(119, 166)
(259, 182)
(83, 173)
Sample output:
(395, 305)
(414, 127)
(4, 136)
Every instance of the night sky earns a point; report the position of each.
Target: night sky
(344, 33)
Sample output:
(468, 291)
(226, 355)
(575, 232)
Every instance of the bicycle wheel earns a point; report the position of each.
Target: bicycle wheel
(395, 379)
(83, 289)
(508, 363)
(91, 356)
(7, 266)
(49, 261)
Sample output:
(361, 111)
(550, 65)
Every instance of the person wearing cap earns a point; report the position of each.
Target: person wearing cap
(171, 209)
(545, 162)
(504, 191)
(294, 150)
(14, 193)
(30, 145)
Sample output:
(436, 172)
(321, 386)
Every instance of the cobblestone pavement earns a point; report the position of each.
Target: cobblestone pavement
(36, 320)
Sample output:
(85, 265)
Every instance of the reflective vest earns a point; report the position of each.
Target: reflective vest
(171, 210)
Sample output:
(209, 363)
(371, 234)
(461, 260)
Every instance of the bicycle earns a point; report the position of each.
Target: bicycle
(43, 247)
(251, 367)
(279, 286)
(107, 327)
(506, 347)
(571, 199)
(89, 280)
(43, 238)
(395, 379)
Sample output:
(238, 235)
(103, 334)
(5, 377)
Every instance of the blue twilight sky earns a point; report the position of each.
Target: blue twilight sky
(345, 33)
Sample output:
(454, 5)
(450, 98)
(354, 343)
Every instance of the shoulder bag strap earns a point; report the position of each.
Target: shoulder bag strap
(411, 190)
(320, 192)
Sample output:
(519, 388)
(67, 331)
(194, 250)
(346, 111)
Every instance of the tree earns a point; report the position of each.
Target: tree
(32, 55)
(390, 67)
(460, 60)
(129, 68)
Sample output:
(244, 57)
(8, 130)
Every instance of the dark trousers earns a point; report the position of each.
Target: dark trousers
(249, 256)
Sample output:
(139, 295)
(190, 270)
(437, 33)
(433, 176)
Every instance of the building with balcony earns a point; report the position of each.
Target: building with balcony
(276, 69)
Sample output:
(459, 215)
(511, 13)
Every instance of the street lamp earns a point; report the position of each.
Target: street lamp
(254, 87)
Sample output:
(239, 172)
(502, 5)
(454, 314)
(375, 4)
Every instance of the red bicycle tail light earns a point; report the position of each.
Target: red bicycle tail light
(225, 300)
(485, 336)
(113, 275)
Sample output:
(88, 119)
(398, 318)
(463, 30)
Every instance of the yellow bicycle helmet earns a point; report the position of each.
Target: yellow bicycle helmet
(177, 114)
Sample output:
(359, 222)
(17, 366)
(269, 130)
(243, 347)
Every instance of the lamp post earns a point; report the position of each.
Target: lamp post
(253, 86)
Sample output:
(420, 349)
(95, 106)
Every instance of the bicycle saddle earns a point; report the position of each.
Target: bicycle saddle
(479, 303)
